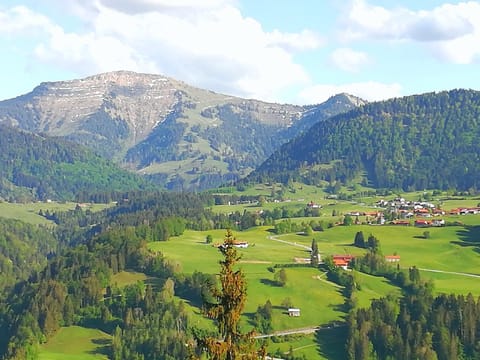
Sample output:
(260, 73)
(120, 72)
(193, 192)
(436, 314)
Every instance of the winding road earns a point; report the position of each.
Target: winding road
(450, 272)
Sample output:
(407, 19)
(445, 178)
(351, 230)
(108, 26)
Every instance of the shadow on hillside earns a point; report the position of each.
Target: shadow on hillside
(469, 237)
(104, 347)
(331, 342)
(343, 308)
(251, 318)
(470, 234)
(270, 282)
(155, 282)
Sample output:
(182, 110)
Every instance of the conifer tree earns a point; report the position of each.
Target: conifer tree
(227, 308)
(314, 253)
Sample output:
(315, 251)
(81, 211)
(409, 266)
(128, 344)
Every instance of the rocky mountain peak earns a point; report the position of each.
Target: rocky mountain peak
(158, 125)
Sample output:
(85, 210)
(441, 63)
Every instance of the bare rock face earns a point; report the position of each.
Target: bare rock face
(185, 136)
(136, 102)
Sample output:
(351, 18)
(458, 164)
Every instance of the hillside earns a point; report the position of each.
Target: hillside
(415, 142)
(23, 248)
(39, 167)
(184, 137)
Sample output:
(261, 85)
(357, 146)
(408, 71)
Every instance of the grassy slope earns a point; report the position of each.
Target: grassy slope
(307, 288)
(124, 278)
(319, 300)
(88, 344)
(29, 212)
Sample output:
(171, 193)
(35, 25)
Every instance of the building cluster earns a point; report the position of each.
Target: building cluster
(424, 214)
(343, 261)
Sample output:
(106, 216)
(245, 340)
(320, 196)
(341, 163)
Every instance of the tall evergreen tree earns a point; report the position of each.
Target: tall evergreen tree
(314, 253)
(359, 240)
(226, 310)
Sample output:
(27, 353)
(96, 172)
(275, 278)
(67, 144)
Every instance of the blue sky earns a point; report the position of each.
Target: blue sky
(299, 51)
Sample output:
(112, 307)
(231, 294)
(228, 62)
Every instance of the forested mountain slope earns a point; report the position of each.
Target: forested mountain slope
(184, 137)
(23, 248)
(38, 167)
(414, 142)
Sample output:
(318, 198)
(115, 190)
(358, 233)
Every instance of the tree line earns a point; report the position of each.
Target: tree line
(37, 167)
(410, 143)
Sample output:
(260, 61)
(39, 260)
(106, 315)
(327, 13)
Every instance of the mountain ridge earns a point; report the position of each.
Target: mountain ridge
(411, 143)
(185, 137)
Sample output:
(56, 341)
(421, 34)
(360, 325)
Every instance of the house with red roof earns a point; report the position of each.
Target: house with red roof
(342, 261)
(423, 223)
(392, 258)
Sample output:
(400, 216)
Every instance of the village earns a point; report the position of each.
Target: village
(406, 213)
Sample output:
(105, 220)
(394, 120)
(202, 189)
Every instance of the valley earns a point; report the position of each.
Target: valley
(448, 257)
(239, 180)
(301, 232)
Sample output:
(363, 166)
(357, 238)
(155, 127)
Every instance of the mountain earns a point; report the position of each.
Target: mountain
(333, 106)
(410, 143)
(39, 167)
(182, 136)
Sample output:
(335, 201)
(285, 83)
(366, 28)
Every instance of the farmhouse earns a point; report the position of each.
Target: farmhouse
(464, 211)
(236, 243)
(392, 258)
(400, 222)
(342, 261)
(438, 222)
(423, 223)
(428, 223)
(240, 244)
(294, 312)
(422, 212)
(312, 205)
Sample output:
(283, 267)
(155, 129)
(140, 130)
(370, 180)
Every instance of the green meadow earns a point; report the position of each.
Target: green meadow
(28, 212)
(321, 301)
(448, 255)
(76, 343)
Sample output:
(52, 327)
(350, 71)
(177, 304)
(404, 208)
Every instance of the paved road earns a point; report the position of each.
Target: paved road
(308, 330)
(450, 272)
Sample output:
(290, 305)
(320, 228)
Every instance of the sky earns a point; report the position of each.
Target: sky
(286, 51)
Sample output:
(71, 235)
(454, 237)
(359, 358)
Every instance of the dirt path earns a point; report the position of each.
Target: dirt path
(320, 278)
(275, 238)
(307, 330)
(254, 262)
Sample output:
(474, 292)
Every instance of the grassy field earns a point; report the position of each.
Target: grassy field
(124, 278)
(325, 344)
(372, 287)
(319, 300)
(29, 212)
(442, 251)
(307, 288)
(76, 343)
(452, 249)
(449, 249)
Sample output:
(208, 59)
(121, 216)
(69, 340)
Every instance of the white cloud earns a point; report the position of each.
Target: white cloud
(446, 30)
(348, 59)
(305, 40)
(370, 90)
(20, 20)
(206, 43)
(141, 6)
